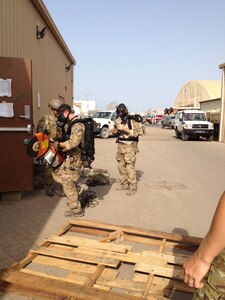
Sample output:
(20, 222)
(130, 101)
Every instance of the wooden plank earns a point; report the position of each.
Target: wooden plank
(167, 271)
(136, 239)
(130, 257)
(65, 264)
(122, 284)
(77, 255)
(88, 243)
(137, 231)
(148, 285)
(173, 259)
(107, 273)
(148, 297)
(5, 287)
(151, 275)
(91, 281)
(160, 283)
(80, 278)
(58, 288)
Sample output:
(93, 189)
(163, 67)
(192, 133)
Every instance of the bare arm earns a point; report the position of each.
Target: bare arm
(197, 266)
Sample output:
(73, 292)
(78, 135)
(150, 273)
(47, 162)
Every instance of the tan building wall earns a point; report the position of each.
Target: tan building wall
(222, 117)
(50, 79)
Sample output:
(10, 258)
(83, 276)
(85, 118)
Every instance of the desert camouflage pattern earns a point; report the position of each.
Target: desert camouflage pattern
(126, 153)
(126, 158)
(66, 175)
(214, 288)
(136, 129)
(48, 125)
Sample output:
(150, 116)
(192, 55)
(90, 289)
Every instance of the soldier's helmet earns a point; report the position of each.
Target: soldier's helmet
(55, 103)
(121, 110)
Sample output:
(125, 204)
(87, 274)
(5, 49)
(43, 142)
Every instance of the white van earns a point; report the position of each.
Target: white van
(193, 124)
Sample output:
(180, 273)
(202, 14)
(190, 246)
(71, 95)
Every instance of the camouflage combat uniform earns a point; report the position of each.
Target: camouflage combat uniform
(66, 175)
(214, 288)
(48, 125)
(126, 153)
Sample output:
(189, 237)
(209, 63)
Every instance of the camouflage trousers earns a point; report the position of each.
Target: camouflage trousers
(214, 288)
(48, 175)
(126, 158)
(68, 179)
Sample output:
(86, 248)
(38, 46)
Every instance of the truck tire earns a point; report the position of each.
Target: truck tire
(210, 138)
(162, 125)
(104, 133)
(184, 136)
(177, 133)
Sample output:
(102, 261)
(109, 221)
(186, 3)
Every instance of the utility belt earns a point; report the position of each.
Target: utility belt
(129, 139)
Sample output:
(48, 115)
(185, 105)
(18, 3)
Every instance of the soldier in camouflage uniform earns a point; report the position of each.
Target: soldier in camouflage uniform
(65, 174)
(128, 131)
(210, 256)
(48, 125)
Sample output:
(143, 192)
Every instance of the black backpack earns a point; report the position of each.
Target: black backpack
(88, 149)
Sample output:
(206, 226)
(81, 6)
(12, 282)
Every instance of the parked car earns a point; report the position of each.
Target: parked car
(104, 123)
(168, 121)
(193, 123)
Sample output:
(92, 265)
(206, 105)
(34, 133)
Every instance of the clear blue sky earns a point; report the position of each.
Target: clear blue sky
(140, 52)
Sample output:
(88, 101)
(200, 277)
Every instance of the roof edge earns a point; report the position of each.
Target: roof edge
(42, 9)
(222, 66)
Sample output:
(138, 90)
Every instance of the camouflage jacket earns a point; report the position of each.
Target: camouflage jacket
(48, 125)
(76, 138)
(135, 130)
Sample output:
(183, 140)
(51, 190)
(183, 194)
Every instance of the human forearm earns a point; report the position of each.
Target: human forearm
(197, 266)
(214, 242)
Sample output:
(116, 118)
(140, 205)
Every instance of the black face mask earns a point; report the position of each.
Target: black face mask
(123, 115)
(61, 120)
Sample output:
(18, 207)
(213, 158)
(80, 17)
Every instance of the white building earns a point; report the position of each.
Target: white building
(86, 106)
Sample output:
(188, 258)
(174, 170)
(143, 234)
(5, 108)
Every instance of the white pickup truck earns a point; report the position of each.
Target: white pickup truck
(104, 122)
(193, 124)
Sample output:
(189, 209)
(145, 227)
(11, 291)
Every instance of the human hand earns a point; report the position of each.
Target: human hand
(195, 269)
(119, 127)
(56, 145)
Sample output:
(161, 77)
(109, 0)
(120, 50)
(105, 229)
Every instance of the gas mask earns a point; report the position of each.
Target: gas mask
(61, 120)
(122, 112)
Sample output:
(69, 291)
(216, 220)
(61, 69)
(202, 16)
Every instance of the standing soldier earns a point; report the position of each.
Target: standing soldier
(48, 125)
(65, 174)
(128, 131)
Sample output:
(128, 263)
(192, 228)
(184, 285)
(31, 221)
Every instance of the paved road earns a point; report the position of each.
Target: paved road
(179, 184)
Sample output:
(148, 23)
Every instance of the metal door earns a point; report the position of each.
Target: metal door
(16, 170)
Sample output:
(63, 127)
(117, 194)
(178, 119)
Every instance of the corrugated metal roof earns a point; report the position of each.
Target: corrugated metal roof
(198, 90)
(213, 87)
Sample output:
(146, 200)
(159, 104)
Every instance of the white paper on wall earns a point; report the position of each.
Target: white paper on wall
(5, 87)
(6, 110)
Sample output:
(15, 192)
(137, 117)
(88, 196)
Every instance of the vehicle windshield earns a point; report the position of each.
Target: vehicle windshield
(102, 114)
(194, 117)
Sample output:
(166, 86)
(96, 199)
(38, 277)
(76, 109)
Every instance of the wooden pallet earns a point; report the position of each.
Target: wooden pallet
(89, 260)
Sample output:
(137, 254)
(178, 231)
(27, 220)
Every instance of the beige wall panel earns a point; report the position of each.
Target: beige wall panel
(222, 123)
(210, 106)
(18, 21)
